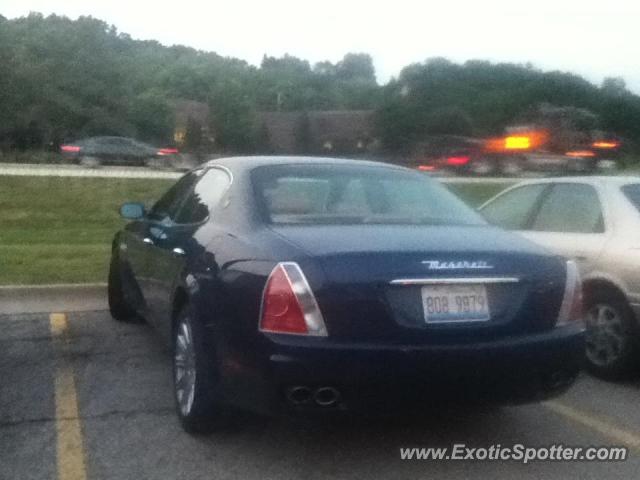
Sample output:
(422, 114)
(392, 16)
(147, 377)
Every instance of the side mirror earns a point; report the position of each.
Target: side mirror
(132, 210)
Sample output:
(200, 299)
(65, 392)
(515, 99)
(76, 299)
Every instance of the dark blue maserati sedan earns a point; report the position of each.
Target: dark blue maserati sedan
(309, 285)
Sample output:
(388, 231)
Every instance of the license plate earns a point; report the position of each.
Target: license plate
(455, 303)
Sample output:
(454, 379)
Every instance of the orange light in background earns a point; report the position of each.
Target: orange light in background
(529, 140)
(517, 143)
(580, 153)
(494, 145)
(605, 144)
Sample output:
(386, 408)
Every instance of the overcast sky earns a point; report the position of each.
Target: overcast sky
(591, 38)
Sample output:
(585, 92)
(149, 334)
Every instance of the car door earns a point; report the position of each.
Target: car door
(111, 149)
(148, 231)
(570, 221)
(175, 243)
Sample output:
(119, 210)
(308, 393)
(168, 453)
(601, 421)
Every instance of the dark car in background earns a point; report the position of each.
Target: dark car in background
(311, 285)
(96, 151)
(448, 154)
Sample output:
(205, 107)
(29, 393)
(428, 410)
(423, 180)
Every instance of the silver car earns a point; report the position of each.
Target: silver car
(596, 222)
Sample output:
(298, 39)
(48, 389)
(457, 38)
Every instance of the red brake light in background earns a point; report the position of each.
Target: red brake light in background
(70, 148)
(580, 153)
(288, 304)
(458, 160)
(167, 151)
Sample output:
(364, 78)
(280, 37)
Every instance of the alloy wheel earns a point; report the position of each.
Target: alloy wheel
(185, 368)
(605, 335)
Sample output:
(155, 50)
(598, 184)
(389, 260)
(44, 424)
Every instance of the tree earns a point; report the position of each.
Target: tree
(152, 115)
(449, 121)
(614, 86)
(64, 79)
(302, 134)
(356, 67)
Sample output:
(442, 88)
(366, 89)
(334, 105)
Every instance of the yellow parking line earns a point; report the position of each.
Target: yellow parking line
(618, 435)
(70, 449)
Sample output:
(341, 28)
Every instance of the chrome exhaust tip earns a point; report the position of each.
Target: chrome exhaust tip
(299, 395)
(326, 396)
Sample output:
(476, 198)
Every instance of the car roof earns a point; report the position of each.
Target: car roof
(102, 138)
(251, 162)
(615, 180)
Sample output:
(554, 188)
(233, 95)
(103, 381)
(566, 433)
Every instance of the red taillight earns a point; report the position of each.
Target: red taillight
(167, 151)
(70, 148)
(571, 307)
(459, 160)
(580, 153)
(288, 304)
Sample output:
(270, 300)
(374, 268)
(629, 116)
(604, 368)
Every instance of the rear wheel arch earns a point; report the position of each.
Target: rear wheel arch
(613, 337)
(180, 300)
(593, 285)
(603, 286)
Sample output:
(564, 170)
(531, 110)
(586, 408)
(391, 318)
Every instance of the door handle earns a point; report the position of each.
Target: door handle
(147, 240)
(178, 252)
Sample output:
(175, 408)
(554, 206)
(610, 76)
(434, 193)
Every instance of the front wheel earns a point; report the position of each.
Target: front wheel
(195, 377)
(610, 337)
(119, 304)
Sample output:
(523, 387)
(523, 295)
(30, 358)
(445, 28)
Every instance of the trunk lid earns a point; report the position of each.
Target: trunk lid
(360, 262)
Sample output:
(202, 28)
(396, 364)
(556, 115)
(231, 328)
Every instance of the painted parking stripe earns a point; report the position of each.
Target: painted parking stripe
(604, 427)
(69, 445)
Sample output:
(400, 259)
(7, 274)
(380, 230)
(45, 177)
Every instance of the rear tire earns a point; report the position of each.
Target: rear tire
(612, 343)
(195, 376)
(512, 166)
(482, 166)
(90, 162)
(119, 306)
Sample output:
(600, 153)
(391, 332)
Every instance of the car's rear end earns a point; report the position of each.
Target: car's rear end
(372, 314)
(392, 330)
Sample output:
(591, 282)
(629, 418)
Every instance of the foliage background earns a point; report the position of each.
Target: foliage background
(62, 79)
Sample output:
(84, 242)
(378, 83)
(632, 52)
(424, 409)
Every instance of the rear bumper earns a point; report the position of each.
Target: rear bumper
(377, 377)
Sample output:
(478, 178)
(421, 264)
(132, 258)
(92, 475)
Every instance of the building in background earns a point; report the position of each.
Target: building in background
(332, 132)
(192, 131)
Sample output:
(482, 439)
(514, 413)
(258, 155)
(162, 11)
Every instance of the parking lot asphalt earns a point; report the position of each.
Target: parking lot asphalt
(84, 397)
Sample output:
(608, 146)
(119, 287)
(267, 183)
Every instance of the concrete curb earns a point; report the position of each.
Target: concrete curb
(15, 299)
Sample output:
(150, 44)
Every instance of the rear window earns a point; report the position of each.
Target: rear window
(345, 194)
(632, 192)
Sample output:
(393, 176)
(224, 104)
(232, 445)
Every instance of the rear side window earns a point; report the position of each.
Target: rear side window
(632, 192)
(513, 209)
(204, 197)
(570, 208)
